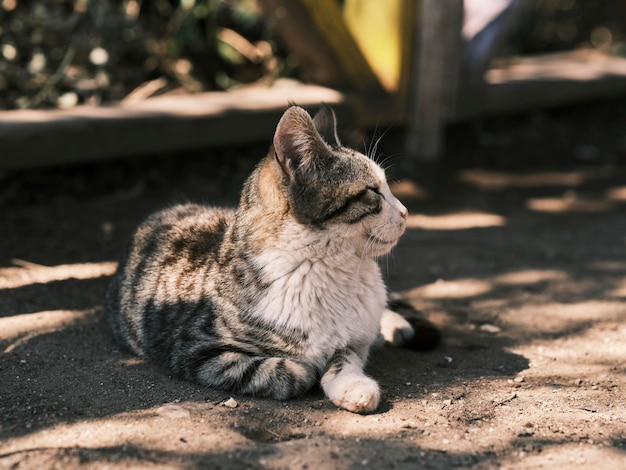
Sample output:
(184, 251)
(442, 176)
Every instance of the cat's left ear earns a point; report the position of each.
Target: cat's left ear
(326, 124)
(298, 146)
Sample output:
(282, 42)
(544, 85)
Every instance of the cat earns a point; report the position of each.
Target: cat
(282, 293)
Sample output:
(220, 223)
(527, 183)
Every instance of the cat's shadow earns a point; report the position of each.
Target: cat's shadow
(408, 374)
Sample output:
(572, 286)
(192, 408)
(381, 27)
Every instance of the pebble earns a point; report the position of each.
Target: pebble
(489, 328)
(230, 403)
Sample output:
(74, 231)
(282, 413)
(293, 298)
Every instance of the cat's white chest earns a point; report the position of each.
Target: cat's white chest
(334, 303)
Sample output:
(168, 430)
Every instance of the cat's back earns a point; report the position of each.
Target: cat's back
(185, 227)
(168, 254)
(185, 233)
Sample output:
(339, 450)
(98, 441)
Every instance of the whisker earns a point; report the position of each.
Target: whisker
(364, 145)
(373, 150)
(371, 239)
(384, 163)
(368, 147)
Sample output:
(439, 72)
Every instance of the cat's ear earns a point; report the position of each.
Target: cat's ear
(298, 145)
(326, 124)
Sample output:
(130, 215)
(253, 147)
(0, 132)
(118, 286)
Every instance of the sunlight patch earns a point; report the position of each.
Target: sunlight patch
(609, 266)
(616, 194)
(128, 435)
(407, 189)
(567, 455)
(32, 324)
(568, 203)
(583, 66)
(456, 289)
(26, 273)
(458, 221)
(561, 318)
(530, 276)
(496, 180)
(620, 290)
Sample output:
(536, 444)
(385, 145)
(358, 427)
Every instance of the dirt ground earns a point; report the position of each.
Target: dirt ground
(515, 248)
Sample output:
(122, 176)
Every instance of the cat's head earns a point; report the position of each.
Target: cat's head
(333, 188)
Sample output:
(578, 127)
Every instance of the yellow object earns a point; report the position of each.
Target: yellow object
(328, 20)
(379, 29)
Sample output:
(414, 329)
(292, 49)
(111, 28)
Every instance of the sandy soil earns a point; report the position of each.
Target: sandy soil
(525, 272)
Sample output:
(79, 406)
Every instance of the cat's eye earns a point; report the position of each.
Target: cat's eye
(375, 190)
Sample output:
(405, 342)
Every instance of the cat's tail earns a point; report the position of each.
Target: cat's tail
(233, 368)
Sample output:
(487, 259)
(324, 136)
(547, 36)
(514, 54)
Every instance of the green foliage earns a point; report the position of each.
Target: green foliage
(47, 56)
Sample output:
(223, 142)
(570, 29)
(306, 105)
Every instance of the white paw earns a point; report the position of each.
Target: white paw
(396, 330)
(355, 393)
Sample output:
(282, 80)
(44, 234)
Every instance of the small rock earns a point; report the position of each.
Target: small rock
(446, 361)
(489, 328)
(578, 382)
(518, 379)
(230, 403)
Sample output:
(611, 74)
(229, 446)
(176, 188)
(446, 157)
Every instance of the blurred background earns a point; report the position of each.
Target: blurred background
(63, 53)
(503, 83)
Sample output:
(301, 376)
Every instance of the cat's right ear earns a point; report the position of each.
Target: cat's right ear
(298, 145)
(326, 124)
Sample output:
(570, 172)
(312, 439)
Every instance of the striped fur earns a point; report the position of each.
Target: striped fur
(279, 294)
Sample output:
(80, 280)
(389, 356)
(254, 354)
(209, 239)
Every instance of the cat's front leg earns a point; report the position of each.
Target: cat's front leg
(347, 386)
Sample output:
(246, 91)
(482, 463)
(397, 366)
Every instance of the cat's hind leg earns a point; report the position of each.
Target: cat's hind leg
(347, 386)
(240, 371)
(396, 330)
(402, 326)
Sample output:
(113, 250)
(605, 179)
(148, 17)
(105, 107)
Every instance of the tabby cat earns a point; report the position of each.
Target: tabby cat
(281, 293)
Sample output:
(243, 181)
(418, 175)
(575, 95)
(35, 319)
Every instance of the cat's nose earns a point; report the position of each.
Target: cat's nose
(404, 213)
